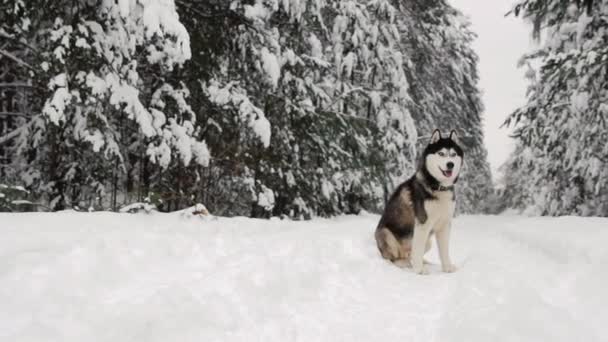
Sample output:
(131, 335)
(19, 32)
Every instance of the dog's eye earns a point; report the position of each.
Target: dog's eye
(441, 154)
(453, 155)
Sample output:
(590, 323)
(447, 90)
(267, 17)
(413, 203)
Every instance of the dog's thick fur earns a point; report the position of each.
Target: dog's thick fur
(423, 206)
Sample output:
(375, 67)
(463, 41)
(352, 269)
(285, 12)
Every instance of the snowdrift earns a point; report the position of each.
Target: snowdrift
(172, 277)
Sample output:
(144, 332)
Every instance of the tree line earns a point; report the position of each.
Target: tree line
(258, 108)
(560, 162)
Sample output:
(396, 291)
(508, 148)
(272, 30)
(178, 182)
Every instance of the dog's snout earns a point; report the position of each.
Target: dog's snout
(450, 165)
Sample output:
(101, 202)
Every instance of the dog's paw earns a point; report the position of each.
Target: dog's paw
(401, 263)
(449, 268)
(421, 270)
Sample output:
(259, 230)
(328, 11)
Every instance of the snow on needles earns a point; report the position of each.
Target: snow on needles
(55, 108)
(118, 43)
(160, 17)
(235, 96)
(271, 66)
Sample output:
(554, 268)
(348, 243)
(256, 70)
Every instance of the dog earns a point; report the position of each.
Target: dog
(422, 206)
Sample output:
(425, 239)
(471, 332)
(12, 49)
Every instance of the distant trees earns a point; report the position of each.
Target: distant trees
(254, 108)
(560, 163)
(443, 80)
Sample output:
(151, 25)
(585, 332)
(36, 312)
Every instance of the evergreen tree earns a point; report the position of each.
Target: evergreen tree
(107, 68)
(324, 84)
(444, 87)
(560, 166)
(253, 107)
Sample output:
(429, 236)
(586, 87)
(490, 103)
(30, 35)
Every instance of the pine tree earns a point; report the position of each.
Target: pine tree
(328, 79)
(560, 132)
(104, 96)
(444, 87)
(256, 108)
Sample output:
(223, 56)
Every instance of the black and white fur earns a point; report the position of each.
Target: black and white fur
(422, 206)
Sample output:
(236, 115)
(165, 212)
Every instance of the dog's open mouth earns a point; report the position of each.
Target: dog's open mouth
(447, 173)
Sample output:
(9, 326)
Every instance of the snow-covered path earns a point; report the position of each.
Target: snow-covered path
(162, 277)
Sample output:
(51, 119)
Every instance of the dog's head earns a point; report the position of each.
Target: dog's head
(443, 158)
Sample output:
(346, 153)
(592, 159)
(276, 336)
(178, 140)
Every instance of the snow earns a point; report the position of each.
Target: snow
(182, 140)
(160, 17)
(96, 139)
(289, 57)
(82, 43)
(580, 101)
(257, 11)
(266, 198)
(138, 206)
(261, 127)
(160, 154)
(347, 64)
(316, 46)
(129, 25)
(127, 95)
(168, 277)
(55, 107)
(231, 94)
(125, 7)
(327, 189)
(583, 21)
(97, 84)
(271, 66)
(290, 179)
(202, 156)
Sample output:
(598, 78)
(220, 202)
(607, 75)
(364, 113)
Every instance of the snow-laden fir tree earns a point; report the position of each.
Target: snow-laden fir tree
(110, 102)
(561, 162)
(324, 84)
(442, 70)
(264, 107)
(343, 132)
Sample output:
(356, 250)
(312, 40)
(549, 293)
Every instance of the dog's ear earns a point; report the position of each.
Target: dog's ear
(454, 137)
(436, 136)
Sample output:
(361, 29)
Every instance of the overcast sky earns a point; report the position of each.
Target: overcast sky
(501, 42)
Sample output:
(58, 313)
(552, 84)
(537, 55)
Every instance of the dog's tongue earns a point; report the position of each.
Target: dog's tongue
(448, 173)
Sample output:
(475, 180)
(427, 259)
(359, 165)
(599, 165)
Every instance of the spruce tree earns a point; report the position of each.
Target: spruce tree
(257, 108)
(442, 69)
(561, 162)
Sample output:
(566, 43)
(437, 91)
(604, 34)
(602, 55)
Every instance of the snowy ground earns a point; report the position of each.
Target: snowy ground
(162, 277)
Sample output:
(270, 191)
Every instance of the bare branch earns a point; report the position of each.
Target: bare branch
(17, 85)
(343, 95)
(16, 59)
(12, 135)
(348, 116)
(13, 114)
(25, 202)
(19, 41)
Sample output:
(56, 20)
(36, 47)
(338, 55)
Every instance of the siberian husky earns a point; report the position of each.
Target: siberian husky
(423, 206)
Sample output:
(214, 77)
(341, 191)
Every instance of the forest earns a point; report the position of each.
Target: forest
(233, 170)
(295, 108)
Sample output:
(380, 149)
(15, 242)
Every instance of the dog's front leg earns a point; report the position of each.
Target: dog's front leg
(443, 243)
(419, 241)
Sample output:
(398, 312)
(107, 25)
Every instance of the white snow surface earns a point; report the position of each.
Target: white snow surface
(271, 66)
(166, 277)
